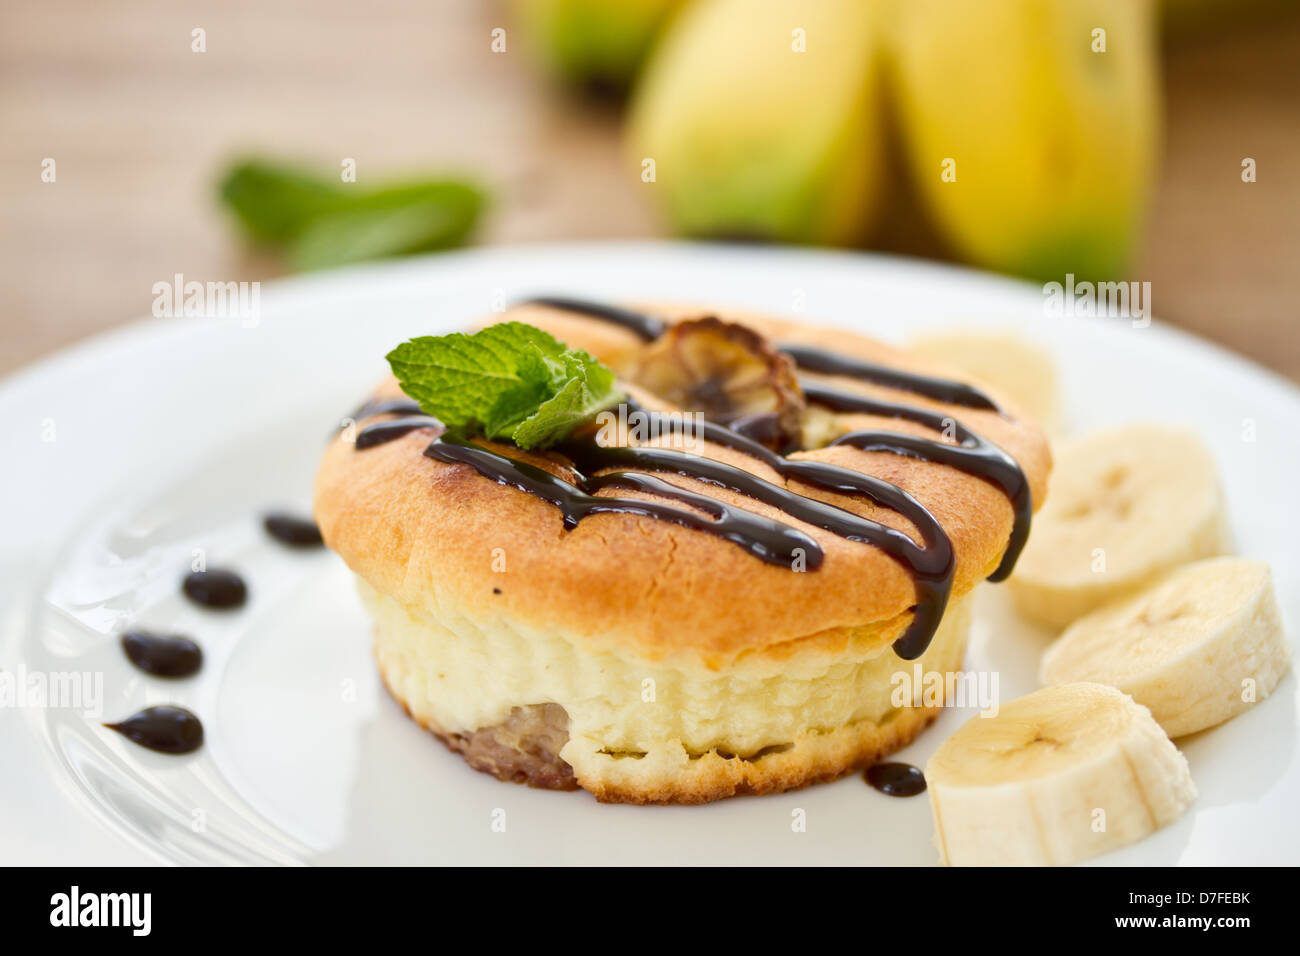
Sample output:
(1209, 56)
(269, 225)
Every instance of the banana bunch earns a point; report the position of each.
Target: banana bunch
(745, 134)
(1028, 127)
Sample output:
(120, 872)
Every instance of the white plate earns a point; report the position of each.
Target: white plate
(176, 434)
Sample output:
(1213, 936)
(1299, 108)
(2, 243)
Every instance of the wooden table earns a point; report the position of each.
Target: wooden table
(139, 126)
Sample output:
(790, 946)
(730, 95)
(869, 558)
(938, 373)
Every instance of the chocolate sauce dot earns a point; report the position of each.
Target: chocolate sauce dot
(293, 531)
(163, 655)
(165, 728)
(896, 779)
(217, 589)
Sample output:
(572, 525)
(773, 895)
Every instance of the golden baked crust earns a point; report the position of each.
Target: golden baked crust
(441, 537)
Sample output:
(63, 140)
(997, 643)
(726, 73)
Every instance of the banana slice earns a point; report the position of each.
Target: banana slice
(1198, 648)
(1123, 506)
(1063, 774)
(730, 374)
(1015, 366)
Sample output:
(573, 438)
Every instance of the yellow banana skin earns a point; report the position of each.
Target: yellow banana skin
(752, 137)
(1052, 142)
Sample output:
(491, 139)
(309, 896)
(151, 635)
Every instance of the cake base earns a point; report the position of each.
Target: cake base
(556, 718)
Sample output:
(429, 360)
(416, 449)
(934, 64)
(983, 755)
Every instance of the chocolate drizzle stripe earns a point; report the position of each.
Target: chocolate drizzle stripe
(648, 327)
(940, 389)
(972, 454)
(380, 432)
(931, 566)
(769, 540)
(846, 524)
(387, 406)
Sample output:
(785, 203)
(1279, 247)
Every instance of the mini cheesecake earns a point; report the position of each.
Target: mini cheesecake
(716, 605)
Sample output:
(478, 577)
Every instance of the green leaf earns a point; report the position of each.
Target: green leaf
(357, 234)
(510, 381)
(590, 391)
(327, 223)
(275, 202)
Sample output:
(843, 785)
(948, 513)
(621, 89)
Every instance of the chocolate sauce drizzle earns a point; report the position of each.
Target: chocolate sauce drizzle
(932, 565)
(940, 389)
(292, 530)
(648, 327)
(163, 655)
(166, 728)
(217, 588)
(931, 562)
(972, 454)
(896, 779)
(769, 540)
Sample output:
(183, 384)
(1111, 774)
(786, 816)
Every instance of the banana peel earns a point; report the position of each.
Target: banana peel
(1031, 128)
(757, 119)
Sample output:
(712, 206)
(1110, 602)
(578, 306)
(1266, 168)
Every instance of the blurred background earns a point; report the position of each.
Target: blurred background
(246, 139)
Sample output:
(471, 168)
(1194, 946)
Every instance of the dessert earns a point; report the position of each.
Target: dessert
(1065, 773)
(1202, 645)
(715, 609)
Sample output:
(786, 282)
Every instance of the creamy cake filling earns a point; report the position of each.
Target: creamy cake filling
(513, 699)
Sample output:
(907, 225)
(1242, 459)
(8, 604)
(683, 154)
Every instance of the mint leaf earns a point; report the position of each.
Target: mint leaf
(274, 201)
(398, 220)
(322, 222)
(510, 381)
(588, 390)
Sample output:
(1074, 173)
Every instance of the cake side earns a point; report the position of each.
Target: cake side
(631, 730)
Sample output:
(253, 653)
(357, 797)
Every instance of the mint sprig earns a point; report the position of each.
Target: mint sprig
(510, 381)
(321, 222)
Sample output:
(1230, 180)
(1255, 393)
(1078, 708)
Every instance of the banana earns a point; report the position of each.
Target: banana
(760, 119)
(1016, 366)
(1032, 128)
(1196, 649)
(1063, 774)
(730, 374)
(1123, 506)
